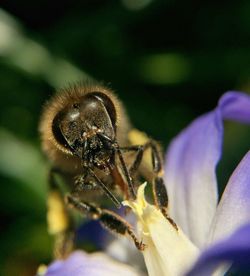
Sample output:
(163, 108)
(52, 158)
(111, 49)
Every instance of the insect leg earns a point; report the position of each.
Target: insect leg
(138, 158)
(105, 188)
(79, 182)
(60, 225)
(159, 188)
(126, 172)
(108, 219)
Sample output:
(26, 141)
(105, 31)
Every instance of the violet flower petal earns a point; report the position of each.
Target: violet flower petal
(190, 166)
(235, 249)
(235, 106)
(80, 263)
(234, 207)
(92, 232)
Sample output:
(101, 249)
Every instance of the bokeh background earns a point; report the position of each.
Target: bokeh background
(169, 61)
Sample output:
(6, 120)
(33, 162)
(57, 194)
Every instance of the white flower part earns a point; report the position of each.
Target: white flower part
(168, 251)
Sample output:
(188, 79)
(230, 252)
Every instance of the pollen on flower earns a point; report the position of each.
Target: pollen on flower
(56, 216)
(42, 269)
(168, 251)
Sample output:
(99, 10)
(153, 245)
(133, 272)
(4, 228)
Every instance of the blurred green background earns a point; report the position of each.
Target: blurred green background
(169, 61)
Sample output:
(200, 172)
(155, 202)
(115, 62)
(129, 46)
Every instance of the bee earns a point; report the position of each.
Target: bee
(87, 136)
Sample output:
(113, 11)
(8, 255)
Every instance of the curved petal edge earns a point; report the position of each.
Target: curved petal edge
(98, 264)
(234, 250)
(191, 166)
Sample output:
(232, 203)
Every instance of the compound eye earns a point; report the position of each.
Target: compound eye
(65, 126)
(71, 117)
(94, 114)
(108, 104)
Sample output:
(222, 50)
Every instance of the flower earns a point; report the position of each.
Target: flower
(80, 263)
(210, 236)
(191, 179)
(169, 251)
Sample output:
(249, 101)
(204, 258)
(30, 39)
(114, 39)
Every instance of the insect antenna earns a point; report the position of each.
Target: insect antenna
(105, 189)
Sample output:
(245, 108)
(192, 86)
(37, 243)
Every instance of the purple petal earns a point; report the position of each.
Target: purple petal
(235, 250)
(98, 264)
(190, 166)
(93, 233)
(235, 106)
(234, 207)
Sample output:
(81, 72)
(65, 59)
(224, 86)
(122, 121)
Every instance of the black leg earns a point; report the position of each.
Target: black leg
(138, 159)
(80, 182)
(126, 172)
(159, 188)
(161, 198)
(60, 224)
(108, 219)
(105, 189)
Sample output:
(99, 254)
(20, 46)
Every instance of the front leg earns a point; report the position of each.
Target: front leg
(89, 180)
(108, 219)
(159, 189)
(81, 183)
